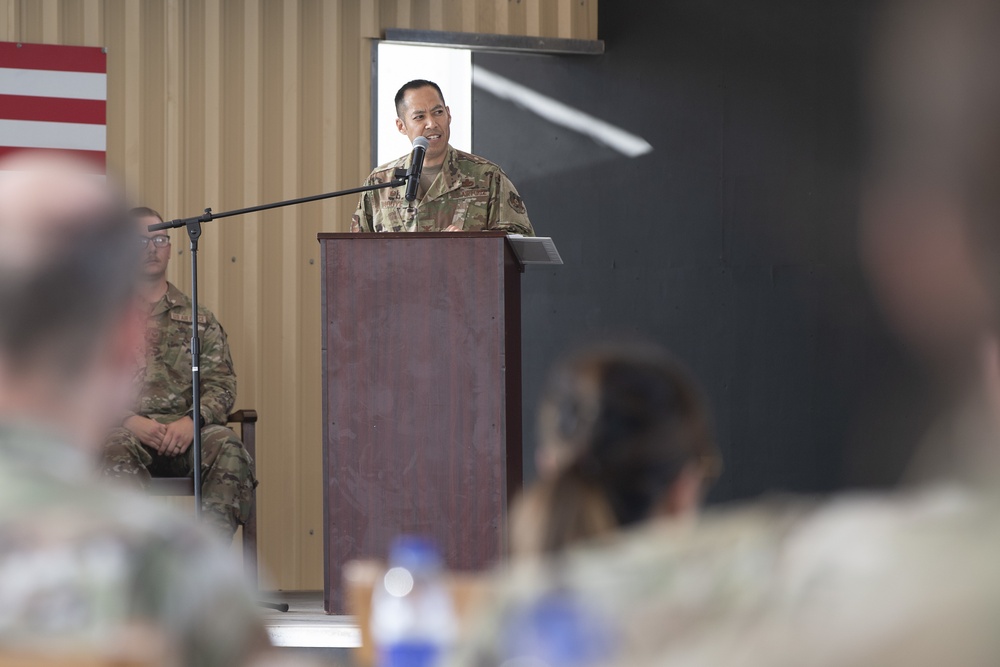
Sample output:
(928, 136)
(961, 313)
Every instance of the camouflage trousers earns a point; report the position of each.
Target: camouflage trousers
(227, 481)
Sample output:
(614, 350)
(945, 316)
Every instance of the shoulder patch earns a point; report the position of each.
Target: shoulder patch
(516, 203)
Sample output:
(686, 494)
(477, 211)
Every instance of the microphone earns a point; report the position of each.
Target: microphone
(420, 145)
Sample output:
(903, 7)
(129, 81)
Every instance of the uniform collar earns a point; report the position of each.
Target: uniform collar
(449, 179)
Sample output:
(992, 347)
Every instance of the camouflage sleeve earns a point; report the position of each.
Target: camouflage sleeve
(507, 212)
(218, 378)
(362, 220)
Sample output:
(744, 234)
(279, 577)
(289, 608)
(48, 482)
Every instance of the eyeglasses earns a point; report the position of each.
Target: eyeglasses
(160, 241)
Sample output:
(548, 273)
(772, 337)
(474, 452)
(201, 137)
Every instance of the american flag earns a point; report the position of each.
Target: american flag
(54, 98)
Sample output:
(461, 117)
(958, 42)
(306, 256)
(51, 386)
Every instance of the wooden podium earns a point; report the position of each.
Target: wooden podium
(421, 395)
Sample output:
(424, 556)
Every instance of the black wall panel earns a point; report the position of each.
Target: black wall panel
(733, 242)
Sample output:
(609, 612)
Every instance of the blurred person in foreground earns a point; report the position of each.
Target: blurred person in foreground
(89, 572)
(931, 225)
(155, 436)
(908, 578)
(623, 438)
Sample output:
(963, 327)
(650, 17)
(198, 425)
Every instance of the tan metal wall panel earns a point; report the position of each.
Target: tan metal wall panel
(9, 19)
(229, 103)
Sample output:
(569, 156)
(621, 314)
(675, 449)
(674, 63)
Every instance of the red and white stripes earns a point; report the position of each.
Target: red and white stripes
(54, 98)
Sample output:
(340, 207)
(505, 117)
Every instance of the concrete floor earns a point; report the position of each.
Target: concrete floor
(306, 629)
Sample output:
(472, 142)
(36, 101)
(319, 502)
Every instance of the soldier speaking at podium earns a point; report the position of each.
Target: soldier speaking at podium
(457, 191)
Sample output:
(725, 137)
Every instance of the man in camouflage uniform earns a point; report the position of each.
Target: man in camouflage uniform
(458, 191)
(155, 439)
(90, 573)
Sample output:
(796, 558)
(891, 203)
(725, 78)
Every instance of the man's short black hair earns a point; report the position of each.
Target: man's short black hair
(414, 85)
(140, 212)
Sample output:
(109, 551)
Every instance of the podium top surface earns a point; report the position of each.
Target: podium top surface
(527, 249)
(324, 236)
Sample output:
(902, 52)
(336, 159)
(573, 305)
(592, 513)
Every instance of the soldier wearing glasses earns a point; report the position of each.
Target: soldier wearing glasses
(155, 439)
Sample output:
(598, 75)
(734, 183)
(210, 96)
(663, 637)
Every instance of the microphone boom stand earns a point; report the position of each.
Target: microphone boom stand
(193, 226)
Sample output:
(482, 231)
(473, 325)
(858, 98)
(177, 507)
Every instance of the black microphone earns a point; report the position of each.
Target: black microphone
(420, 145)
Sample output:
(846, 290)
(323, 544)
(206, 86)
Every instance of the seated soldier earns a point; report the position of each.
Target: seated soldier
(155, 439)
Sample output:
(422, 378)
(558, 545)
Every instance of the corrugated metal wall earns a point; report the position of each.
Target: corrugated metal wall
(229, 103)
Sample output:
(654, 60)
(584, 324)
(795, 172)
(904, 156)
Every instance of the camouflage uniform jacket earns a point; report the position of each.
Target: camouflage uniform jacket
(164, 375)
(470, 193)
(87, 569)
(909, 579)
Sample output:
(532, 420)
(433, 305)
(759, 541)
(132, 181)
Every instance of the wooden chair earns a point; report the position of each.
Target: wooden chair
(184, 486)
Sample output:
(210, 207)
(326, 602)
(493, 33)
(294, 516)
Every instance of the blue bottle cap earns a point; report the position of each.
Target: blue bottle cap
(414, 552)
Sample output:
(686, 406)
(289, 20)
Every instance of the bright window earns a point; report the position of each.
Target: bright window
(451, 69)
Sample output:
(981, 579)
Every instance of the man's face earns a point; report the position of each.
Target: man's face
(156, 251)
(423, 114)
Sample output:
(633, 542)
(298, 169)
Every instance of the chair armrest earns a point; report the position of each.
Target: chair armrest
(243, 417)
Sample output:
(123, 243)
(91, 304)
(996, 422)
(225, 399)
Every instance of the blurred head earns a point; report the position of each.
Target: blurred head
(623, 437)
(931, 235)
(931, 217)
(68, 269)
(155, 246)
(421, 112)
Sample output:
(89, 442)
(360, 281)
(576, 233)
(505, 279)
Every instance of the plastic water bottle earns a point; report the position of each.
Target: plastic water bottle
(413, 619)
